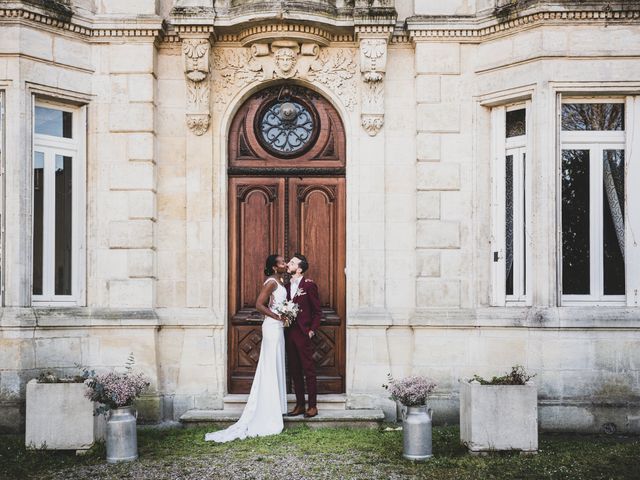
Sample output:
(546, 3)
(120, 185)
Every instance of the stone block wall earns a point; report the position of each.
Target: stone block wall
(63, 341)
(454, 333)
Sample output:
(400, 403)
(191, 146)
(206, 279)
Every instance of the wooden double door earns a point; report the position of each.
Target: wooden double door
(285, 215)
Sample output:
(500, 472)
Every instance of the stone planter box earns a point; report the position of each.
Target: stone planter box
(59, 417)
(499, 417)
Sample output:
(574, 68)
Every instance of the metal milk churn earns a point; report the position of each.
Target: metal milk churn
(416, 430)
(122, 438)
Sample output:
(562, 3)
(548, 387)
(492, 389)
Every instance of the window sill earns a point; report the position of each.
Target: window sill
(55, 304)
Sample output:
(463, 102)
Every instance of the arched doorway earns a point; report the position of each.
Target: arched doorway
(286, 179)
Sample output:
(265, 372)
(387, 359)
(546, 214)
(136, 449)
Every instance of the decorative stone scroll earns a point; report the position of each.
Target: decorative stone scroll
(235, 68)
(373, 63)
(196, 68)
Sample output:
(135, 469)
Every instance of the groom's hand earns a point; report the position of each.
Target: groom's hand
(311, 333)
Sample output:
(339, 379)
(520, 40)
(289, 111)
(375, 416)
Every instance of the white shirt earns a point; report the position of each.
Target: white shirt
(295, 283)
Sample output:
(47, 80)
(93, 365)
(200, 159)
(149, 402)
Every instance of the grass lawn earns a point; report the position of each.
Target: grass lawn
(304, 453)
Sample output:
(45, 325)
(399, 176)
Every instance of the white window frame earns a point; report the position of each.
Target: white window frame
(521, 149)
(2, 201)
(74, 147)
(596, 142)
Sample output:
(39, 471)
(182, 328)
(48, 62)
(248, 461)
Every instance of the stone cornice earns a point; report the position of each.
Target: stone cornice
(318, 34)
(478, 28)
(342, 29)
(150, 26)
(194, 29)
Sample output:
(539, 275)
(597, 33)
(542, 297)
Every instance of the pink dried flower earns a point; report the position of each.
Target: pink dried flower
(411, 391)
(116, 389)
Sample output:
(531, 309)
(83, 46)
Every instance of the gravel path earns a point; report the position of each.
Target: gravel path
(228, 466)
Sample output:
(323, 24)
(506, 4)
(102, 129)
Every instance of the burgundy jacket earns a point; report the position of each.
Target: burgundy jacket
(307, 299)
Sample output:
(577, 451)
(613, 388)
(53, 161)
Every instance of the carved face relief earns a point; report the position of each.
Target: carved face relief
(285, 60)
(334, 68)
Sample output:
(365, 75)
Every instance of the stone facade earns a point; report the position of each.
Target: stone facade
(415, 84)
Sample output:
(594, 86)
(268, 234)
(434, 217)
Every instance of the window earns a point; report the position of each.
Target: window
(592, 213)
(287, 126)
(1, 199)
(511, 204)
(58, 196)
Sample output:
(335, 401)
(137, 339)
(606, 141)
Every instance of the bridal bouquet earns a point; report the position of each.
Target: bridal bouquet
(288, 311)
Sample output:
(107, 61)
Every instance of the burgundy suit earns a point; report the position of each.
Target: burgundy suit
(299, 345)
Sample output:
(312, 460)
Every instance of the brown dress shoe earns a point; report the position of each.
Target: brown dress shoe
(311, 412)
(296, 411)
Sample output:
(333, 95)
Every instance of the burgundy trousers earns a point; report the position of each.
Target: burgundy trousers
(301, 365)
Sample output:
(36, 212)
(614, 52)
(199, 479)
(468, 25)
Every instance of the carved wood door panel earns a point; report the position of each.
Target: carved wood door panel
(286, 215)
(256, 229)
(317, 229)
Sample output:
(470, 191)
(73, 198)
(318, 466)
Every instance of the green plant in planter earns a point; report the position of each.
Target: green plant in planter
(51, 377)
(517, 376)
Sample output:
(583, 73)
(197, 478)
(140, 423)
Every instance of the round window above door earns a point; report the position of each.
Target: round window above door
(287, 126)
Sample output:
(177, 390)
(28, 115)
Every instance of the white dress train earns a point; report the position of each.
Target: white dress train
(267, 401)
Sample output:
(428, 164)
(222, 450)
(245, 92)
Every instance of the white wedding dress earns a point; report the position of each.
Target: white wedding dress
(268, 397)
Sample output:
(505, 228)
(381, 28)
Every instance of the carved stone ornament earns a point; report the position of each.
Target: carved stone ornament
(373, 59)
(372, 123)
(235, 68)
(196, 58)
(198, 123)
(196, 68)
(373, 64)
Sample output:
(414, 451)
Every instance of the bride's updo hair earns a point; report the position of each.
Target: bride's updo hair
(272, 261)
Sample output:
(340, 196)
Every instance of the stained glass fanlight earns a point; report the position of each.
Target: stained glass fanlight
(287, 126)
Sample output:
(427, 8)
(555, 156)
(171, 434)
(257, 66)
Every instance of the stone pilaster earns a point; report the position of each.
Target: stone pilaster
(125, 146)
(443, 150)
(196, 51)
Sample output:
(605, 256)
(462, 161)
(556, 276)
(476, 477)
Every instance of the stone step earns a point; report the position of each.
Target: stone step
(370, 418)
(236, 402)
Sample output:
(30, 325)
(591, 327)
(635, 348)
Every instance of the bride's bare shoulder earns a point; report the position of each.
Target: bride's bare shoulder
(270, 283)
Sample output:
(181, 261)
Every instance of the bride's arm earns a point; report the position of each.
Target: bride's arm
(263, 300)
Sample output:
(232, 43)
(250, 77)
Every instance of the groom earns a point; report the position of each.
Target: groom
(304, 292)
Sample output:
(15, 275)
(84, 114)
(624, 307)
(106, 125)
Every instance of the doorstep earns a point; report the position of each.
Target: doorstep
(369, 418)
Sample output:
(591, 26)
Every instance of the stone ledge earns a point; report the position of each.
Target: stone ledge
(561, 318)
(101, 317)
(76, 317)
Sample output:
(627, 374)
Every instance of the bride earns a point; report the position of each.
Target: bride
(267, 401)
